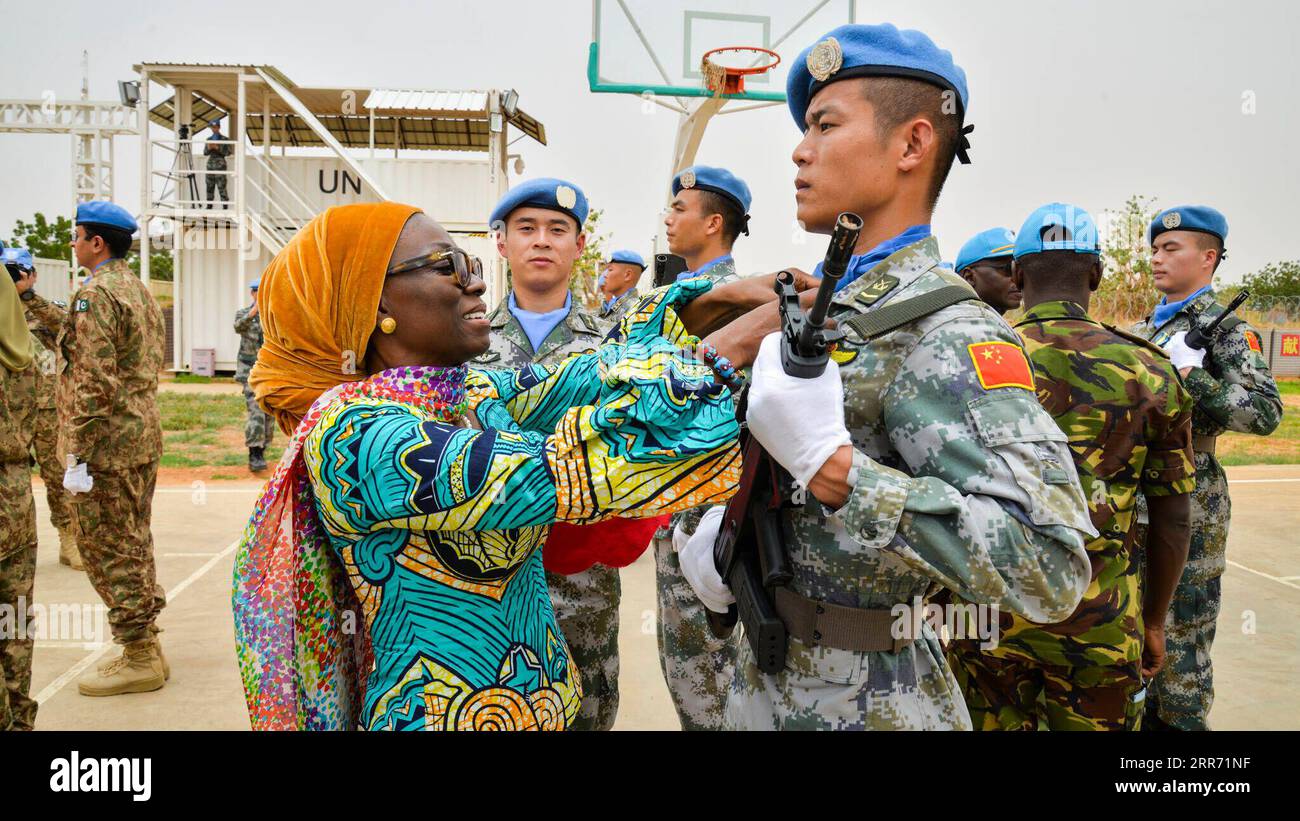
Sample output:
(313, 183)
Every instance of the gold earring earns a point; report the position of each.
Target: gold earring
(388, 325)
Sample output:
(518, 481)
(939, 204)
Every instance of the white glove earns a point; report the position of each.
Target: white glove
(1181, 355)
(799, 422)
(78, 479)
(696, 558)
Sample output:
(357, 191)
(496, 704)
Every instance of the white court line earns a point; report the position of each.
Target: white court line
(1277, 579)
(193, 490)
(1289, 578)
(1258, 481)
(172, 555)
(52, 689)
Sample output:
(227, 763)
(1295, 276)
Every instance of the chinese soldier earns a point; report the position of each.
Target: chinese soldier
(538, 224)
(921, 457)
(1129, 423)
(111, 349)
(985, 263)
(258, 429)
(709, 211)
(216, 150)
(45, 444)
(617, 284)
(18, 409)
(1233, 390)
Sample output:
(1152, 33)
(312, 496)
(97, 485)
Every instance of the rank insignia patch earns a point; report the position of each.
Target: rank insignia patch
(1001, 365)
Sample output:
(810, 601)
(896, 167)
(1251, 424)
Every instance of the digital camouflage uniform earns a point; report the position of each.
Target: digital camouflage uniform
(1234, 391)
(615, 312)
(586, 603)
(697, 666)
(111, 350)
(1128, 421)
(18, 409)
(45, 446)
(259, 430)
(952, 484)
(217, 162)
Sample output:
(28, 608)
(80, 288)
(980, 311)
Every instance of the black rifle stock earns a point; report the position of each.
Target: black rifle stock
(750, 551)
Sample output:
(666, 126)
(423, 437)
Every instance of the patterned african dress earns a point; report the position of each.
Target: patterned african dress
(429, 525)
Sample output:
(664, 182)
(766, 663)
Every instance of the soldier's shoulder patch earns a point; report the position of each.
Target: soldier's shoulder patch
(589, 323)
(1252, 340)
(844, 354)
(1001, 365)
(486, 357)
(81, 305)
(872, 293)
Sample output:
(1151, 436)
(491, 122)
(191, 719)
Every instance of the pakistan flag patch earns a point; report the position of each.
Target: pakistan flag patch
(81, 306)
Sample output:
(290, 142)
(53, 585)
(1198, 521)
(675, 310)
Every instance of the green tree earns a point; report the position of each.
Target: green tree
(1126, 290)
(45, 239)
(160, 264)
(585, 271)
(1275, 280)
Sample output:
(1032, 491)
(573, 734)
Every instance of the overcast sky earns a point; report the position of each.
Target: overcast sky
(1087, 102)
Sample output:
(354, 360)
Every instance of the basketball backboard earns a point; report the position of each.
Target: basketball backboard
(655, 46)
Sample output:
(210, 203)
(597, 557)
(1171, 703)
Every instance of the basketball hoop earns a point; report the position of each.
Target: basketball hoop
(730, 79)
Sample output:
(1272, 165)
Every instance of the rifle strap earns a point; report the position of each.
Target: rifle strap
(895, 315)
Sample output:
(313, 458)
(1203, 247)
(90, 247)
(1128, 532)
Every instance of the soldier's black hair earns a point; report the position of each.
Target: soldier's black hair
(117, 240)
(1056, 269)
(733, 221)
(1206, 242)
(895, 100)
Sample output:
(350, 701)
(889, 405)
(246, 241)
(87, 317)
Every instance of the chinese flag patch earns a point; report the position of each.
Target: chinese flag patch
(1001, 365)
(1253, 341)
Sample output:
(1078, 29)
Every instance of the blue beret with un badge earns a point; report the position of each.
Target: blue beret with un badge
(875, 51)
(630, 257)
(1200, 218)
(18, 256)
(1057, 226)
(107, 214)
(718, 180)
(990, 244)
(544, 192)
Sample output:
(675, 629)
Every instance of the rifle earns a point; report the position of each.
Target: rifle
(750, 551)
(1204, 340)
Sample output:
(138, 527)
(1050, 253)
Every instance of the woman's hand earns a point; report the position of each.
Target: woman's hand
(724, 303)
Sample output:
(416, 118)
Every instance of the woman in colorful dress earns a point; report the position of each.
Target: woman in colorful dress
(391, 575)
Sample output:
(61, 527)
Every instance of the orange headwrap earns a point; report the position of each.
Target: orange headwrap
(317, 301)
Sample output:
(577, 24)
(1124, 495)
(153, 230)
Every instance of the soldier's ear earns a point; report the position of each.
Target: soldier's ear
(1094, 278)
(1018, 276)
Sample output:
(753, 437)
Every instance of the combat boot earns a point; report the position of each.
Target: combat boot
(256, 460)
(138, 670)
(68, 552)
(167, 668)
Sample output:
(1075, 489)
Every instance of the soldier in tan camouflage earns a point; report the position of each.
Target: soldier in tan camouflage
(1233, 390)
(539, 232)
(111, 345)
(258, 427)
(45, 446)
(17, 508)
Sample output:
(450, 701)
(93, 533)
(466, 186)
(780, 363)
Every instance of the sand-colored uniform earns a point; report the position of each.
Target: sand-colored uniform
(112, 350)
(18, 408)
(586, 603)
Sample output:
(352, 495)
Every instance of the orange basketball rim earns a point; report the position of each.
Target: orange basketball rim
(730, 79)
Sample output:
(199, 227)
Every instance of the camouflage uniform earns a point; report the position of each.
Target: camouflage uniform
(1234, 391)
(697, 666)
(18, 409)
(111, 349)
(258, 428)
(586, 603)
(952, 483)
(45, 446)
(217, 162)
(1128, 419)
(615, 312)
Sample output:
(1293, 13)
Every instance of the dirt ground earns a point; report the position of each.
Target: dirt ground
(1256, 654)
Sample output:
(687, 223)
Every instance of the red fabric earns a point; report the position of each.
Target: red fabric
(572, 549)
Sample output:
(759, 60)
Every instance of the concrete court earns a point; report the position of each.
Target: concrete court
(1257, 652)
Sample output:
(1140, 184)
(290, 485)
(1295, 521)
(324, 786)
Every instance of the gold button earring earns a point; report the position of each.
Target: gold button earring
(388, 325)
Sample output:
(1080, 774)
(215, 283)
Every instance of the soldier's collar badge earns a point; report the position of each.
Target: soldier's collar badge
(1172, 220)
(565, 196)
(825, 59)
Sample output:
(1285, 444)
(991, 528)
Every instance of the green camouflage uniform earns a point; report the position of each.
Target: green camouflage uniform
(111, 350)
(1128, 420)
(45, 446)
(586, 603)
(259, 430)
(1234, 391)
(697, 666)
(615, 312)
(18, 409)
(952, 483)
(217, 162)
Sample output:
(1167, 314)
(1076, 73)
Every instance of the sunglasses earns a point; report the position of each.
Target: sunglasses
(450, 263)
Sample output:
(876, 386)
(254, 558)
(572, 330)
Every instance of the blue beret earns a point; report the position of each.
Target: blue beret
(1201, 218)
(873, 51)
(990, 244)
(108, 214)
(718, 180)
(1073, 227)
(544, 192)
(252, 286)
(630, 257)
(18, 256)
